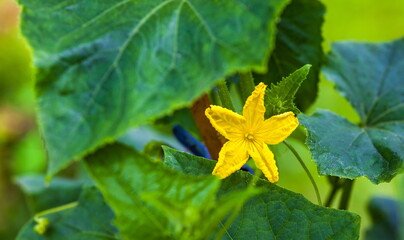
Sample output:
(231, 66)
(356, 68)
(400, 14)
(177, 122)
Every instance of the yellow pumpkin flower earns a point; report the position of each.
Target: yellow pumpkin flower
(249, 135)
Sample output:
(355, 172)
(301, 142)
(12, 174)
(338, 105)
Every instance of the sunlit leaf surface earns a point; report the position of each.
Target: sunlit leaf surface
(105, 66)
(152, 201)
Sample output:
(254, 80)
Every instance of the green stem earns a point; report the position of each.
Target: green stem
(224, 95)
(334, 180)
(56, 209)
(306, 170)
(346, 194)
(336, 186)
(247, 84)
(42, 223)
(255, 178)
(331, 196)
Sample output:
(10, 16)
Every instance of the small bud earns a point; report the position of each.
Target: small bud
(41, 226)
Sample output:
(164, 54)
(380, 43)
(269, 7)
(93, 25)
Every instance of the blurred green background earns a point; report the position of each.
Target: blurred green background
(21, 149)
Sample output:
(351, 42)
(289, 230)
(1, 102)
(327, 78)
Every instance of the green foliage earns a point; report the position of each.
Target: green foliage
(139, 137)
(341, 148)
(42, 196)
(106, 67)
(298, 42)
(280, 98)
(89, 220)
(123, 63)
(276, 213)
(386, 218)
(152, 201)
(370, 76)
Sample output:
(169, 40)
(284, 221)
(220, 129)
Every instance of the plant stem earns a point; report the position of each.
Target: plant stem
(346, 194)
(42, 223)
(224, 95)
(336, 185)
(211, 138)
(255, 178)
(306, 170)
(334, 180)
(247, 84)
(56, 209)
(331, 196)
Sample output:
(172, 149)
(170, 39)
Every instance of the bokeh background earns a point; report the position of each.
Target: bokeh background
(22, 153)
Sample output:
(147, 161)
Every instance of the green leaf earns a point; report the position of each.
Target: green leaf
(370, 76)
(298, 42)
(152, 201)
(108, 65)
(89, 220)
(280, 97)
(139, 137)
(43, 196)
(386, 218)
(276, 213)
(343, 149)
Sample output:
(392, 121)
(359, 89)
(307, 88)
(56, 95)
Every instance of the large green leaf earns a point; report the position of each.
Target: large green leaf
(152, 201)
(107, 65)
(90, 220)
(298, 42)
(371, 77)
(341, 148)
(276, 213)
(280, 98)
(41, 196)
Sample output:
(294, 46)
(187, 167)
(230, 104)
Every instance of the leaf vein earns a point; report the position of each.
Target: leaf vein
(113, 66)
(92, 20)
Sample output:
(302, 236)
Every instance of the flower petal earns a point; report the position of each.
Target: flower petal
(231, 158)
(226, 122)
(254, 108)
(277, 128)
(264, 160)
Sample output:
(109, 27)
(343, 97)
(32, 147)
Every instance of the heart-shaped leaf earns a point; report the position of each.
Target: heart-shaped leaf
(370, 76)
(274, 214)
(105, 66)
(152, 201)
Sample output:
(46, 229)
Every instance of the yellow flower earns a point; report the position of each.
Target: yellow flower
(249, 135)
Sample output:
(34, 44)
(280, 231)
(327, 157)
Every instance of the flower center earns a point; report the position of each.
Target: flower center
(249, 136)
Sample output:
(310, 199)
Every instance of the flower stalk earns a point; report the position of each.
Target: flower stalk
(247, 84)
(224, 95)
(313, 182)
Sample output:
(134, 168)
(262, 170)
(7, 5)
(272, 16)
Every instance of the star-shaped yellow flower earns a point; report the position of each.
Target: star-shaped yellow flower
(249, 135)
